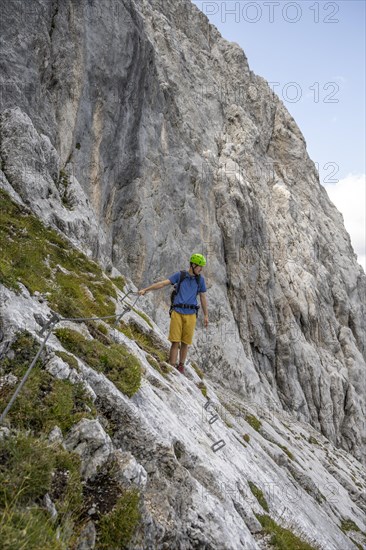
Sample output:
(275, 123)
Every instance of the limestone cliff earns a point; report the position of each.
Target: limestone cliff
(178, 146)
(137, 131)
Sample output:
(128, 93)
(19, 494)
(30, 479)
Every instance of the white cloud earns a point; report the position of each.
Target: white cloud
(349, 196)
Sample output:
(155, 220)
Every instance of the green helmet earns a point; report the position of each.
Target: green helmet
(198, 259)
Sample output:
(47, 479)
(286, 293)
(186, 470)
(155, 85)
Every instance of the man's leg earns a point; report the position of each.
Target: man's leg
(189, 324)
(183, 352)
(175, 332)
(174, 353)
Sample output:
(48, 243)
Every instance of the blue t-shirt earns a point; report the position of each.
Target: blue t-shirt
(187, 291)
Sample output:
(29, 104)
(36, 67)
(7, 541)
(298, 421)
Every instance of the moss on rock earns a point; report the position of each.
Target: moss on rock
(258, 493)
(44, 401)
(44, 261)
(253, 421)
(147, 342)
(114, 360)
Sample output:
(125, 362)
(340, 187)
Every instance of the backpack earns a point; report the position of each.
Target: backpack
(183, 275)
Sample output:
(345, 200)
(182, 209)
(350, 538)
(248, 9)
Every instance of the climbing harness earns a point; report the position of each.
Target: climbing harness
(183, 275)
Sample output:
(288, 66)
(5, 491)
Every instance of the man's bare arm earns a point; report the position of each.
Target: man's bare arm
(155, 286)
(204, 307)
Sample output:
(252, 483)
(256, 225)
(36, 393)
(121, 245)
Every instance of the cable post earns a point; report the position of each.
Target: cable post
(53, 320)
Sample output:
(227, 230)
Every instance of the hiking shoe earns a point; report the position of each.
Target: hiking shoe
(181, 368)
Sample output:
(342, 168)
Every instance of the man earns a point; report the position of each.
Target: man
(184, 308)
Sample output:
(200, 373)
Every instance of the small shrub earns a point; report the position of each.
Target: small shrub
(100, 335)
(246, 438)
(313, 441)
(165, 368)
(240, 441)
(63, 187)
(228, 424)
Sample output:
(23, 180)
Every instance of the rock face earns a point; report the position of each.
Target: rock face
(158, 140)
(142, 135)
(200, 464)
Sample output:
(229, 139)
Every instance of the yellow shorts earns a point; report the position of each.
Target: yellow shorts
(182, 327)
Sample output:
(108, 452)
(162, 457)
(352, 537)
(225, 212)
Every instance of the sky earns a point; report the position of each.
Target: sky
(313, 55)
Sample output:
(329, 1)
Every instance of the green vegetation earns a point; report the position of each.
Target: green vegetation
(30, 529)
(118, 526)
(349, 525)
(313, 440)
(103, 329)
(258, 493)
(199, 372)
(44, 401)
(231, 407)
(203, 388)
(74, 286)
(77, 146)
(98, 334)
(30, 468)
(120, 282)
(285, 450)
(246, 438)
(69, 359)
(43, 261)
(281, 538)
(163, 368)
(120, 366)
(143, 316)
(253, 421)
(283, 447)
(26, 471)
(146, 342)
